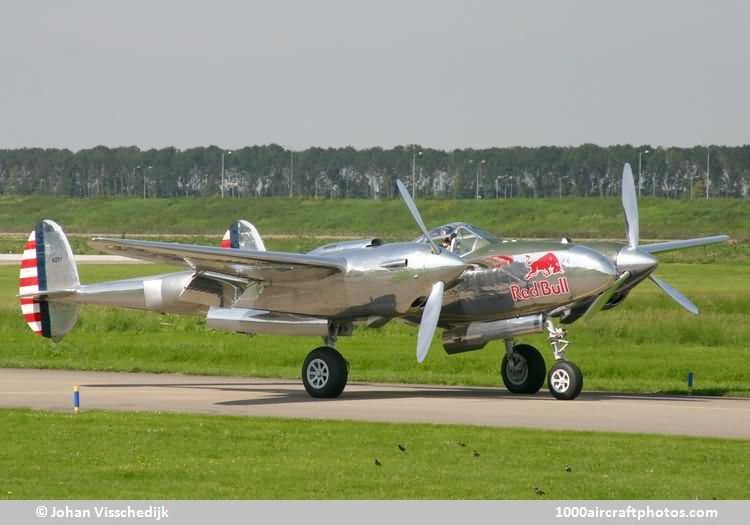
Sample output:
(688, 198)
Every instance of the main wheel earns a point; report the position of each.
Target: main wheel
(523, 370)
(565, 380)
(324, 373)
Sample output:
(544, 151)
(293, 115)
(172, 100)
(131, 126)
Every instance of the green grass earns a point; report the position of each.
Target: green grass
(576, 217)
(736, 253)
(648, 344)
(104, 455)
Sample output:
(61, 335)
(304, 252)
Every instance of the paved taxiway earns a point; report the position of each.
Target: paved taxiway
(598, 411)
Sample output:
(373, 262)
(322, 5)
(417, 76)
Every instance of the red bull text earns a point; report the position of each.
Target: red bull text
(546, 265)
(541, 288)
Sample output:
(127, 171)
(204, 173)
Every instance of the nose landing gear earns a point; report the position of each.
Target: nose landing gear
(564, 380)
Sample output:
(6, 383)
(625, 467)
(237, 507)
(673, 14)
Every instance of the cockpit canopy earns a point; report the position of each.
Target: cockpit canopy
(460, 238)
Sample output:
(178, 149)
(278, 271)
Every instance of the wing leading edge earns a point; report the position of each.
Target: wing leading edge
(248, 264)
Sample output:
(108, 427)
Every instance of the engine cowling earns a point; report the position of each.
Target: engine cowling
(346, 245)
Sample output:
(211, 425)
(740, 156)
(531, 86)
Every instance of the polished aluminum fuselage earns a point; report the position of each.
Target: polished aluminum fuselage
(391, 281)
(488, 291)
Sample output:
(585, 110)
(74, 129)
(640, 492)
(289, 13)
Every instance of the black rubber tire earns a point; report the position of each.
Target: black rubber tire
(534, 379)
(574, 380)
(333, 365)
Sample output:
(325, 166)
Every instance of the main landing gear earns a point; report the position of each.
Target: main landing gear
(523, 369)
(325, 371)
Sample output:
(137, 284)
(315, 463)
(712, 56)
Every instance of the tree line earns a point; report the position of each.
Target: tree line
(271, 170)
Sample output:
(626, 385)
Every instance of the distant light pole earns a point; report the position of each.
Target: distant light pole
(479, 171)
(414, 171)
(291, 173)
(144, 178)
(229, 152)
(640, 169)
(708, 171)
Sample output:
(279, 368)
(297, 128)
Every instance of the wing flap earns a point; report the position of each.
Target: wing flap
(247, 264)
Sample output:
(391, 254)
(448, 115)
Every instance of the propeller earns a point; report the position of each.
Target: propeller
(430, 316)
(415, 213)
(630, 205)
(604, 298)
(452, 265)
(674, 294)
(636, 260)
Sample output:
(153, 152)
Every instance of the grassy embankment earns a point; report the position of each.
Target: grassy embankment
(648, 344)
(169, 456)
(576, 217)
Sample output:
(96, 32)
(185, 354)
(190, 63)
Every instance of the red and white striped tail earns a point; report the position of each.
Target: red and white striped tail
(226, 241)
(241, 234)
(29, 283)
(48, 275)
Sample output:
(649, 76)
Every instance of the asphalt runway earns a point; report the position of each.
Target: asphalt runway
(595, 411)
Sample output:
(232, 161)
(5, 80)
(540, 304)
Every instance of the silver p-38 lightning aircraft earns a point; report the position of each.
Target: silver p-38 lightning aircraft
(478, 288)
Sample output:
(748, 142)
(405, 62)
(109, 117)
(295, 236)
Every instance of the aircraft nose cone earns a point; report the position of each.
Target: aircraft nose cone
(452, 264)
(635, 261)
(445, 266)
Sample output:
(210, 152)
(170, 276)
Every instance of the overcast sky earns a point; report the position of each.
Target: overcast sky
(333, 73)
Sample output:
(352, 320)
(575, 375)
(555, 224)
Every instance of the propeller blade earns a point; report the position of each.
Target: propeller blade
(430, 316)
(630, 205)
(668, 246)
(415, 213)
(604, 298)
(674, 294)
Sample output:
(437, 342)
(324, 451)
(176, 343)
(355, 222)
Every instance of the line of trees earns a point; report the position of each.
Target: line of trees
(549, 171)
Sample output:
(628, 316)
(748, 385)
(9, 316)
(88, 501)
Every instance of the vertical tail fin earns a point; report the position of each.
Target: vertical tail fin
(242, 234)
(47, 270)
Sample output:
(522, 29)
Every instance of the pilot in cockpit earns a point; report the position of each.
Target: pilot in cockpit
(448, 241)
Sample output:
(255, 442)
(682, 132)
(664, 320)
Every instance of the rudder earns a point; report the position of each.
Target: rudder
(242, 234)
(48, 270)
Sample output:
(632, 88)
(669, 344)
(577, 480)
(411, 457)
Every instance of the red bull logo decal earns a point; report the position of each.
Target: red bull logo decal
(547, 265)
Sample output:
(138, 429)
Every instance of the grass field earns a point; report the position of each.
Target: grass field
(648, 344)
(575, 217)
(167, 456)
(725, 253)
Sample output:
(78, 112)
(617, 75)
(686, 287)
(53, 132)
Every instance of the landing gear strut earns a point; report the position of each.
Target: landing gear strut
(564, 379)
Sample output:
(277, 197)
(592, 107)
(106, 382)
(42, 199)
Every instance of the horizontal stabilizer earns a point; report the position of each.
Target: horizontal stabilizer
(47, 294)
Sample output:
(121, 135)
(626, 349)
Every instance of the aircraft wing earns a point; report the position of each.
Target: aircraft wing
(246, 264)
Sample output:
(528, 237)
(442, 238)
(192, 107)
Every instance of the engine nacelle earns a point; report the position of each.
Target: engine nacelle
(474, 336)
(346, 245)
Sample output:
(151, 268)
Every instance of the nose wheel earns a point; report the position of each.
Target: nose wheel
(564, 380)
(324, 373)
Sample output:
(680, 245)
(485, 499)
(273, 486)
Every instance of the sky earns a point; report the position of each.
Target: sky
(326, 73)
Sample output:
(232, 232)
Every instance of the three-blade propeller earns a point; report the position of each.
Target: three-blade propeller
(431, 310)
(637, 259)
